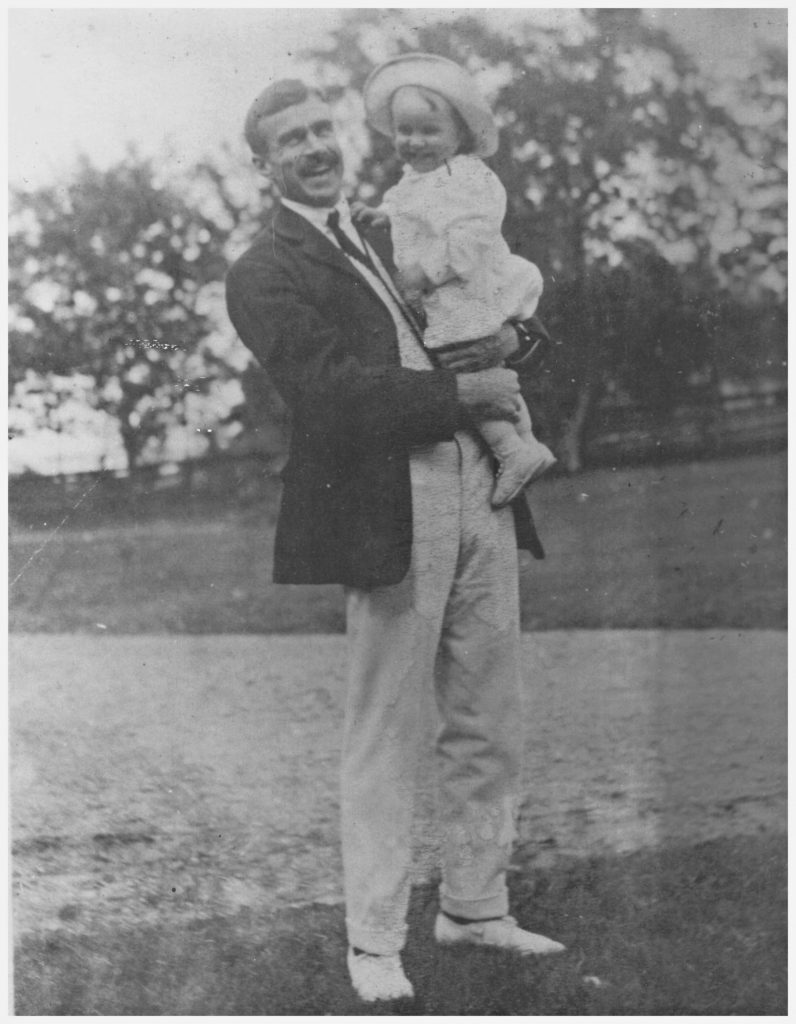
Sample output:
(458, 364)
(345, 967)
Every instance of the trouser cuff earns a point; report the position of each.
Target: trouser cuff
(380, 943)
(475, 910)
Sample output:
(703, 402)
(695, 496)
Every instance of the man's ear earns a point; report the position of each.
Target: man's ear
(263, 166)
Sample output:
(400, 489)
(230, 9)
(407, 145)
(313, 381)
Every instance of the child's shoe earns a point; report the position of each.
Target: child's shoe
(519, 469)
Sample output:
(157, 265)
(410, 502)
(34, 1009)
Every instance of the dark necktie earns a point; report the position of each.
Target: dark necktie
(355, 253)
(345, 242)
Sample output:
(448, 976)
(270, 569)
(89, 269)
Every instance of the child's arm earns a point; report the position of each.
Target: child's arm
(464, 213)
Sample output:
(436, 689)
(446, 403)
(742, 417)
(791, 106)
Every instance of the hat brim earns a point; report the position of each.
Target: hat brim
(439, 75)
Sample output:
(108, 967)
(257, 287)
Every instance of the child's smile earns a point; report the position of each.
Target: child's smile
(424, 136)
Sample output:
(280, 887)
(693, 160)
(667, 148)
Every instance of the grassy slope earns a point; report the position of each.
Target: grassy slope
(684, 931)
(690, 545)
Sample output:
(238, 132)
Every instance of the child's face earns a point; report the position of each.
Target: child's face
(425, 133)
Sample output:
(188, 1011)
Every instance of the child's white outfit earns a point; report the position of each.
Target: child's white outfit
(446, 224)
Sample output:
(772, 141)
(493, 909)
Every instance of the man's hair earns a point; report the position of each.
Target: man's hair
(288, 92)
(438, 102)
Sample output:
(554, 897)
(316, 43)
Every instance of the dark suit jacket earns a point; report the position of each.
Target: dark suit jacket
(330, 346)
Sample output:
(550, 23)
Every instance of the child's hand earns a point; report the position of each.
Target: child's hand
(413, 279)
(413, 298)
(368, 216)
(412, 283)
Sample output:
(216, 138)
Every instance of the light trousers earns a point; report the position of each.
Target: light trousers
(451, 624)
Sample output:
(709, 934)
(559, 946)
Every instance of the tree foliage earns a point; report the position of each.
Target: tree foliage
(617, 156)
(116, 274)
(653, 200)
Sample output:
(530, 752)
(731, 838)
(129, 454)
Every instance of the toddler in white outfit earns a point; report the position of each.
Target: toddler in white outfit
(445, 218)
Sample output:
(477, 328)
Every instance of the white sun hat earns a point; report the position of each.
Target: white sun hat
(439, 75)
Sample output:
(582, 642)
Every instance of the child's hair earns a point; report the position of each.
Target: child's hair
(438, 102)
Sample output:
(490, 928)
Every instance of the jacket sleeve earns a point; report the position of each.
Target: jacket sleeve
(332, 395)
(536, 346)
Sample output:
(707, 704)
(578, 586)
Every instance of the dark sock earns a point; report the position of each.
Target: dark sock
(469, 920)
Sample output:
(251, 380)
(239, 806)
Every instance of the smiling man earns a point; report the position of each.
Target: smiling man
(387, 491)
(299, 147)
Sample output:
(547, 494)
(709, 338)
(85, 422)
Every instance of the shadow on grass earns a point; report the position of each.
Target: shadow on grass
(699, 930)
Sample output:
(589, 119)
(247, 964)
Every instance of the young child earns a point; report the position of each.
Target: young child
(445, 218)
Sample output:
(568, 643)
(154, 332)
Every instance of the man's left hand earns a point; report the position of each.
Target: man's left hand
(481, 353)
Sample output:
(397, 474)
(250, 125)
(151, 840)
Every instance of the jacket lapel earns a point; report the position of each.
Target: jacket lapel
(314, 244)
(379, 241)
(297, 231)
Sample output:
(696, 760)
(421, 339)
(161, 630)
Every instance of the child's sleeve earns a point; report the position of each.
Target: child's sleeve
(387, 204)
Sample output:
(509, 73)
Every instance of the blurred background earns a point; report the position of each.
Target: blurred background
(644, 155)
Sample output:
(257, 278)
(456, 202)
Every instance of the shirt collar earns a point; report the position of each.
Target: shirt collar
(318, 215)
(443, 171)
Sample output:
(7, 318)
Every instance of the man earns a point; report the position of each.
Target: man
(387, 491)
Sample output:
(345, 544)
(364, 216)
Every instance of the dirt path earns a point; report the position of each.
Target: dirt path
(196, 776)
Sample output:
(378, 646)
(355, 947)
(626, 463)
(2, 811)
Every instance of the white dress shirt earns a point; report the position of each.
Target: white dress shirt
(412, 354)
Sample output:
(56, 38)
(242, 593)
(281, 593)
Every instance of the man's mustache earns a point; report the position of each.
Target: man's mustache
(320, 163)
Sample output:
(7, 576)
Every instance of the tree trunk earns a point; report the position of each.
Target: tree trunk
(574, 430)
(132, 446)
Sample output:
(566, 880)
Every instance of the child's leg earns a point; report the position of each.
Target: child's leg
(454, 314)
(524, 429)
(522, 457)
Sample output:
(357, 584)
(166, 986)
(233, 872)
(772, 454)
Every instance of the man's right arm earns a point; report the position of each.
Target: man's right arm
(332, 393)
(490, 394)
(521, 345)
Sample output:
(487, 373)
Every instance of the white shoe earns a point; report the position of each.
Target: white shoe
(500, 933)
(378, 977)
(518, 470)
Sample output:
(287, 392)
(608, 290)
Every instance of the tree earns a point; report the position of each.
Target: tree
(648, 342)
(750, 239)
(653, 201)
(117, 275)
(611, 138)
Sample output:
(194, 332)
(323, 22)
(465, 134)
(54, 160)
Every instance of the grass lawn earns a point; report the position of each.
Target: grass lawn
(690, 545)
(680, 931)
(672, 930)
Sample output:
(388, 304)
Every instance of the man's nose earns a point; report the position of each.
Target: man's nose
(314, 143)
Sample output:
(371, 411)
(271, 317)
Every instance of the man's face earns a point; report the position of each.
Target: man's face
(303, 155)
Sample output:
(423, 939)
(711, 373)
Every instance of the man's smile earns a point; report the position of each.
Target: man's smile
(320, 168)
